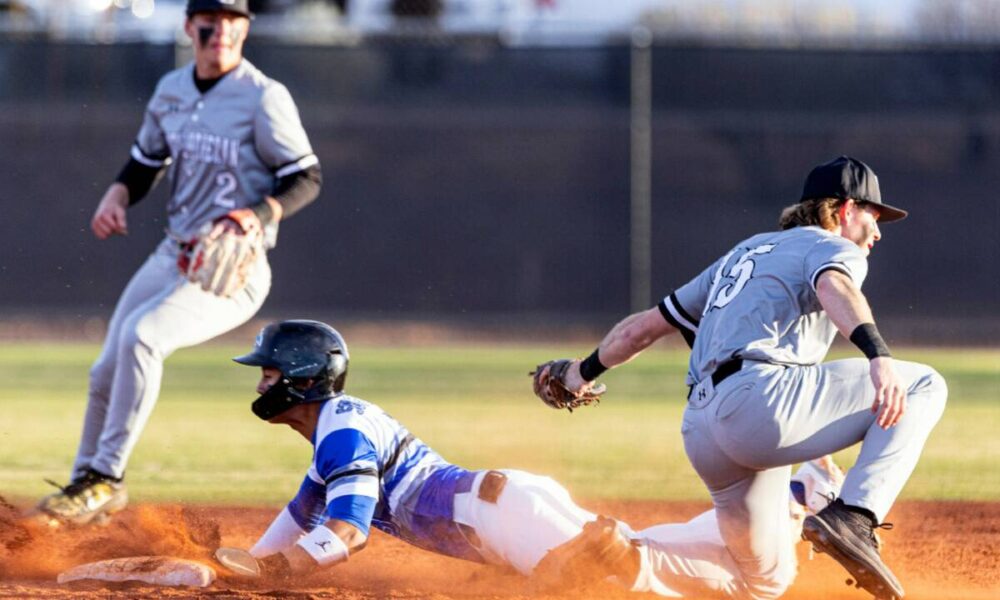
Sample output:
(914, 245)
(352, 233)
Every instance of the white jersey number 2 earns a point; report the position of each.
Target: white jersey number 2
(224, 197)
(741, 272)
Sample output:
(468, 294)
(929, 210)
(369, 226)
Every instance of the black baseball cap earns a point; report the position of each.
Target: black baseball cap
(239, 7)
(845, 177)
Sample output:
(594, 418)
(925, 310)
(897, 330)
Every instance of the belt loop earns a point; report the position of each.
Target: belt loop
(492, 486)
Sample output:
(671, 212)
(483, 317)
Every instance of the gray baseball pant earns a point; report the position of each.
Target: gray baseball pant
(742, 439)
(159, 312)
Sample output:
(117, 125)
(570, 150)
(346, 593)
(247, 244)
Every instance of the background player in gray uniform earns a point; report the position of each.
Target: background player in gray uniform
(760, 320)
(239, 161)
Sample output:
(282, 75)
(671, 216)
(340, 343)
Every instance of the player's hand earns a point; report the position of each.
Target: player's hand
(109, 218)
(572, 379)
(890, 393)
(559, 385)
(222, 226)
(242, 564)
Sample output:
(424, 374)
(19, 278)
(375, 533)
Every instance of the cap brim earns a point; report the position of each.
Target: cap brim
(238, 13)
(253, 360)
(888, 214)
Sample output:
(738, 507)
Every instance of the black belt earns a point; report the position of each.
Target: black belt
(726, 369)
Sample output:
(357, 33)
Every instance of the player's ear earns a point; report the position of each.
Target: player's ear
(244, 27)
(189, 30)
(845, 210)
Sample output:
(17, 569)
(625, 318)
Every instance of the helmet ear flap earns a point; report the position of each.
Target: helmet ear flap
(338, 371)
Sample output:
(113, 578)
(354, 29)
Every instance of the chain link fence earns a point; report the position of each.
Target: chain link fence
(468, 178)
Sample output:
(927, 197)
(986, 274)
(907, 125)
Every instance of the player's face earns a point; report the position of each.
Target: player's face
(860, 225)
(268, 377)
(218, 38)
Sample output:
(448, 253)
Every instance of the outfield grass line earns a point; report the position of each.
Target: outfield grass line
(473, 405)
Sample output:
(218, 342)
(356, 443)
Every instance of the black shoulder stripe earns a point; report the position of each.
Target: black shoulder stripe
(680, 309)
(686, 333)
(292, 166)
(830, 267)
(352, 472)
(666, 314)
(137, 146)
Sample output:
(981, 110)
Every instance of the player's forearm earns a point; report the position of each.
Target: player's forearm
(283, 532)
(116, 194)
(137, 179)
(291, 194)
(631, 336)
(843, 302)
(325, 546)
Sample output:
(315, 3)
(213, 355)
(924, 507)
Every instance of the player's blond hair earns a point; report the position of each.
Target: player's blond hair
(817, 211)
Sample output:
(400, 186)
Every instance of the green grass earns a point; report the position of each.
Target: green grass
(472, 404)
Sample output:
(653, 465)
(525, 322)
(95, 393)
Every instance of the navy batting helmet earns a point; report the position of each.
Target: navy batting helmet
(302, 351)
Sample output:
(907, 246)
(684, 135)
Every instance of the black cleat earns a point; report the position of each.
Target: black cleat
(849, 538)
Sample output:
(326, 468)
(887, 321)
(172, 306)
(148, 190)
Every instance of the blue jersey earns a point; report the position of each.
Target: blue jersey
(368, 470)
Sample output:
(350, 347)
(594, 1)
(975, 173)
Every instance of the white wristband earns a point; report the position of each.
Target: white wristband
(324, 546)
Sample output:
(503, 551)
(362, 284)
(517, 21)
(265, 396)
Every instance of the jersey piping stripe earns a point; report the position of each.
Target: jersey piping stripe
(295, 166)
(370, 471)
(141, 157)
(676, 306)
(404, 468)
(677, 316)
(391, 463)
(686, 333)
(829, 267)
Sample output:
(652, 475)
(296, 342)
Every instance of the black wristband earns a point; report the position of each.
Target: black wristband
(867, 338)
(591, 367)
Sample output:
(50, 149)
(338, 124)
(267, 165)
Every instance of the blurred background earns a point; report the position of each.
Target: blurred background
(505, 163)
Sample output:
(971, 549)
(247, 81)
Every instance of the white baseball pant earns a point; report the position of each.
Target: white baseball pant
(159, 312)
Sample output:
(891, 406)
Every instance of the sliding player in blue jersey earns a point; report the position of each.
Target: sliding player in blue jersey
(368, 470)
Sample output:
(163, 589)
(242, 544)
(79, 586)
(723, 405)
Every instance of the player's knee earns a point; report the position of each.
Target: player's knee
(929, 394)
(134, 342)
(102, 372)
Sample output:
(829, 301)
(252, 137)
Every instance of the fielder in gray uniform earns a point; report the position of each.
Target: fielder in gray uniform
(239, 162)
(760, 320)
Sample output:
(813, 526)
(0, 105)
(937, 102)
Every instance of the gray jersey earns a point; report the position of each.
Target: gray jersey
(227, 146)
(758, 302)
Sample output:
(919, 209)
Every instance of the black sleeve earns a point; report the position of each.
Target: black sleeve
(138, 179)
(292, 192)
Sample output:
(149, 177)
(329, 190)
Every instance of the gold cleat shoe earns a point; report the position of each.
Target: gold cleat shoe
(600, 551)
(91, 498)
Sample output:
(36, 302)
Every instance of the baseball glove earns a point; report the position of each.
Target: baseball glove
(550, 385)
(221, 257)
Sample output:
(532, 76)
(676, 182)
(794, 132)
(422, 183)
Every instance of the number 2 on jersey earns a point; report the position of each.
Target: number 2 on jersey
(224, 198)
(741, 272)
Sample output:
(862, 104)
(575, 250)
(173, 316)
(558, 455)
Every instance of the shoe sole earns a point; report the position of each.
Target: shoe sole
(824, 539)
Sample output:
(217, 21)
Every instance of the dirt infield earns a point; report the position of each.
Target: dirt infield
(939, 550)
